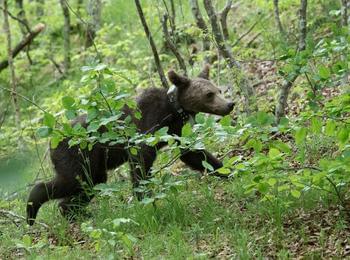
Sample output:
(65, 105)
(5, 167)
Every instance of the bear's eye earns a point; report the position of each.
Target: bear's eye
(210, 94)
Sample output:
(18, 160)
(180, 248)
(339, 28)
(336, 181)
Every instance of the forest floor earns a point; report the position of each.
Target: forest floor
(202, 218)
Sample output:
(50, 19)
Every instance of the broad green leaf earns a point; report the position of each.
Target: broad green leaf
(224, 170)
(324, 72)
(207, 166)
(343, 135)
(133, 151)
(186, 130)
(316, 125)
(272, 181)
(300, 135)
(49, 120)
(147, 201)
(274, 153)
(295, 193)
(44, 131)
(226, 120)
(263, 187)
(68, 102)
(330, 128)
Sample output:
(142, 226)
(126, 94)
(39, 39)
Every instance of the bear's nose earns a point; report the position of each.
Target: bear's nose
(231, 105)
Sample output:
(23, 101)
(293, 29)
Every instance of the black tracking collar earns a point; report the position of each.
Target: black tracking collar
(173, 99)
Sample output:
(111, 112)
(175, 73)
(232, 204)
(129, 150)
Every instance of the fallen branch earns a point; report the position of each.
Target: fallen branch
(172, 46)
(17, 218)
(22, 44)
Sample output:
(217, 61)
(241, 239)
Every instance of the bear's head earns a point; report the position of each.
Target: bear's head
(199, 94)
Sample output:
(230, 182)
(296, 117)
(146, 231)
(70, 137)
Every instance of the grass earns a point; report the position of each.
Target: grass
(203, 218)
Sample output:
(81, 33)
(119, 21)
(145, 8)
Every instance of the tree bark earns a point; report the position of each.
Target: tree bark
(288, 83)
(225, 51)
(277, 17)
(153, 46)
(223, 18)
(345, 24)
(201, 25)
(94, 11)
(12, 73)
(22, 44)
(172, 46)
(66, 35)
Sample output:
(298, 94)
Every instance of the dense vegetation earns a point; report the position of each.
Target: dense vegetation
(285, 147)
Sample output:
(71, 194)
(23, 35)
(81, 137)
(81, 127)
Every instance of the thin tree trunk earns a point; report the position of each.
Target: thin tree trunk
(223, 18)
(345, 17)
(201, 25)
(277, 17)
(24, 25)
(288, 83)
(153, 46)
(94, 11)
(12, 73)
(225, 51)
(172, 46)
(66, 35)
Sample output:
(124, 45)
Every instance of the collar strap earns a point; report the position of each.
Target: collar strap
(173, 99)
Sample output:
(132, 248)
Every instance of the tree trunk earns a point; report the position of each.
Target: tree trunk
(153, 46)
(66, 35)
(345, 23)
(223, 18)
(277, 17)
(287, 84)
(12, 73)
(94, 11)
(201, 25)
(225, 51)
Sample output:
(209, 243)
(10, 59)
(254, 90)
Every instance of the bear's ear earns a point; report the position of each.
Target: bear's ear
(205, 72)
(178, 80)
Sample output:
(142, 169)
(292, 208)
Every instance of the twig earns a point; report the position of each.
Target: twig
(17, 19)
(245, 34)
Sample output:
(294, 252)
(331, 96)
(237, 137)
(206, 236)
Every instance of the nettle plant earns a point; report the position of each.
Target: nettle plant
(294, 158)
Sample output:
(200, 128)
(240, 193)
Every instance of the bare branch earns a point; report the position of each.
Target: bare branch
(172, 46)
(22, 44)
(153, 46)
(245, 34)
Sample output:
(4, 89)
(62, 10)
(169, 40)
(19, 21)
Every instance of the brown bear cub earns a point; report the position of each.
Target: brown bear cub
(159, 108)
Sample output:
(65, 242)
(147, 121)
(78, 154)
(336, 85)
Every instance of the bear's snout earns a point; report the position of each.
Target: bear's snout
(230, 105)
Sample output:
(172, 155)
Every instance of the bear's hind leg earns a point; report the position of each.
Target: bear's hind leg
(43, 192)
